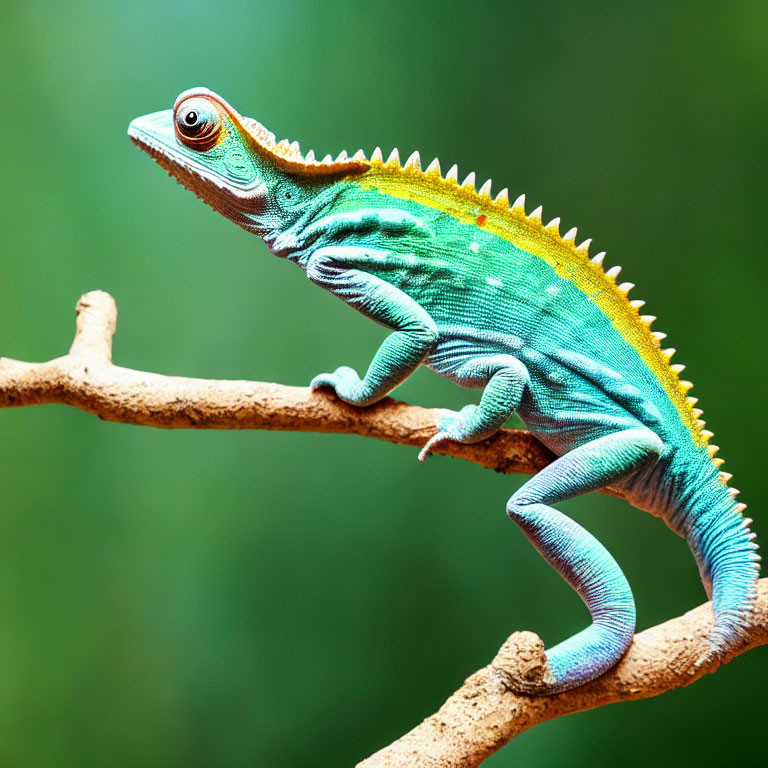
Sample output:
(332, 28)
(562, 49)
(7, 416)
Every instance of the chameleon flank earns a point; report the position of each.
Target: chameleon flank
(490, 298)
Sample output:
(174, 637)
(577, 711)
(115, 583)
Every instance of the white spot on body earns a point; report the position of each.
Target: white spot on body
(474, 246)
(493, 281)
(552, 290)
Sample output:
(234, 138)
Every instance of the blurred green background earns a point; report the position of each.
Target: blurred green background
(263, 599)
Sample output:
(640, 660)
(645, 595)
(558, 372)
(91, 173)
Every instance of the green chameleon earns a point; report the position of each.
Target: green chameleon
(490, 298)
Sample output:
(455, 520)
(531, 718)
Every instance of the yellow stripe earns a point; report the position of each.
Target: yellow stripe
(572, 264)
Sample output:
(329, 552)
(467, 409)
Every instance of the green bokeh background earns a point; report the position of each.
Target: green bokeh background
(265, 599)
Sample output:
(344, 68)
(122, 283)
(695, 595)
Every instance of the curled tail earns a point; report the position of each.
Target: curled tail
(724, 548)
(723, 544)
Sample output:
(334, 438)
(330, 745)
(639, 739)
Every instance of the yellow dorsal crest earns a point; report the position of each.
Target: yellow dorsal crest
(571, 260)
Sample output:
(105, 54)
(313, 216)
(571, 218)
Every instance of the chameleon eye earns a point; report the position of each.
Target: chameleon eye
(198, 123)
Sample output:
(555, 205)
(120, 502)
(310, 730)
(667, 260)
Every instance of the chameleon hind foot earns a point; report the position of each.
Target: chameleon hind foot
(504, 379)
(455, 425)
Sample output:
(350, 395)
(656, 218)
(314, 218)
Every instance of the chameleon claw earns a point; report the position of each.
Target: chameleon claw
(440, 437)
(347, 385)
(451, 426)
(322, 381)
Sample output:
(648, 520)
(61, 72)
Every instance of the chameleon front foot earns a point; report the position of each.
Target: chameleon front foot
(345, 382)
(505, 379)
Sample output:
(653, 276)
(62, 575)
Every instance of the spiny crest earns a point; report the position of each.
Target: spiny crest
(284, 154)
(287, 154)
(552, 229)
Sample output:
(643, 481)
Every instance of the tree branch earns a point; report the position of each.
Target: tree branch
(483, 714)
(85, 378)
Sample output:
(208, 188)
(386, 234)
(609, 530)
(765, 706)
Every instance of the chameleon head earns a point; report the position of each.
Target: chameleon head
(207, 146)
(234, 163)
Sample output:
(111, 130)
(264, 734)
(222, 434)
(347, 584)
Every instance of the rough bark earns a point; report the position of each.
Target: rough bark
(483, 714)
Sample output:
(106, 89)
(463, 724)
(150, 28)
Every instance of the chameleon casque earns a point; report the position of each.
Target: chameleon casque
(490, 298)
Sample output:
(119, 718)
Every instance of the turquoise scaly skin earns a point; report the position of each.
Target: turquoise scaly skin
(489, 298)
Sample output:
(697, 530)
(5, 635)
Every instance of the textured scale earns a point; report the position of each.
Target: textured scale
(492, 298)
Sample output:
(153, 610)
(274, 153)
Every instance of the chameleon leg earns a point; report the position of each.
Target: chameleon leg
(505, 379)
(579, 557)
(400, 354)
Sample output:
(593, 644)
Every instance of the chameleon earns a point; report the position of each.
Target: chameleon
(491, 298)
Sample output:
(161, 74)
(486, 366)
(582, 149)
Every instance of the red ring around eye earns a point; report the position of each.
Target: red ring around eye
(198, 123)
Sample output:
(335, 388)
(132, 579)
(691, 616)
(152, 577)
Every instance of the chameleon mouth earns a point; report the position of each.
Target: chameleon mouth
(189, 178)
(242, 205)
(190, 174)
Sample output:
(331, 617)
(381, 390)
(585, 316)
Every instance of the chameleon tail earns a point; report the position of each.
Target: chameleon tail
(722, 543)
